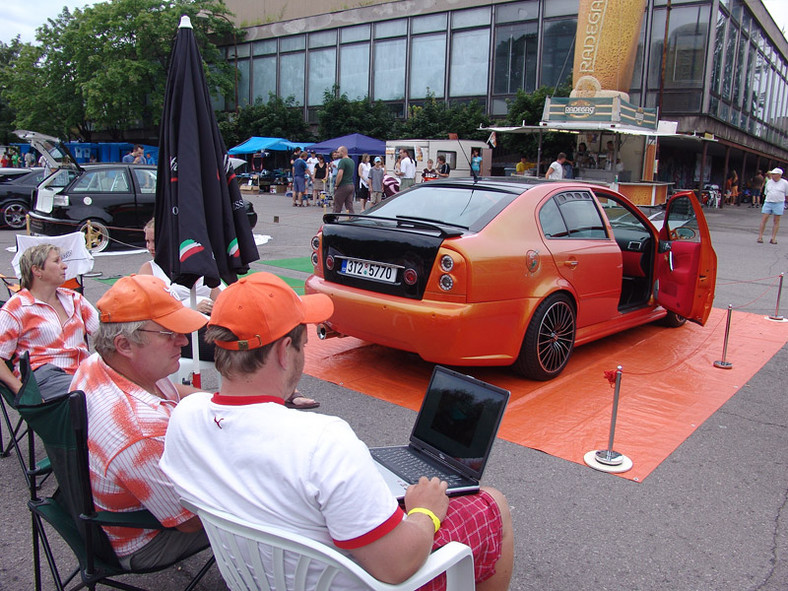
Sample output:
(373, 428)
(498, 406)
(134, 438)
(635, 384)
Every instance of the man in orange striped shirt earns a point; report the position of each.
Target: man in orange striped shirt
(129, 400)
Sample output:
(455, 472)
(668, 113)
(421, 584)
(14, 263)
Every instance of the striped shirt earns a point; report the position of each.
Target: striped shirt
(28, 324)
(125, 441)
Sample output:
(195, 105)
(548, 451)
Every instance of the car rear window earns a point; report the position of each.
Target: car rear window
(466, 206)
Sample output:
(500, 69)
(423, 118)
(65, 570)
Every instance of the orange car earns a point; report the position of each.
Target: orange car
(510, 271)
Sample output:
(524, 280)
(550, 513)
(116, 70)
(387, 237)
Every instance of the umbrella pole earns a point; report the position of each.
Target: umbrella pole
(196, 380)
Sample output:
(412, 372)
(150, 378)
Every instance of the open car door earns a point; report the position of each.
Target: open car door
(686, 269)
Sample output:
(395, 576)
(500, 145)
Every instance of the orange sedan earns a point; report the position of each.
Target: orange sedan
(504, 271)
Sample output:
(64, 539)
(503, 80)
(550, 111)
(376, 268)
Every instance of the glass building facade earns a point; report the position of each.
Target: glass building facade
(720, 64)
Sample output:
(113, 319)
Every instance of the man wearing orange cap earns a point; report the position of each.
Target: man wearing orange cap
(129, 402)
(242, 451)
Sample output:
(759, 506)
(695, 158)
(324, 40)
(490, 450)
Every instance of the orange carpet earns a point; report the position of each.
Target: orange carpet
(669, 385)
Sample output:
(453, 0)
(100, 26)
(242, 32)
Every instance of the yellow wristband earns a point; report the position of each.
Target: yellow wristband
(435, 521)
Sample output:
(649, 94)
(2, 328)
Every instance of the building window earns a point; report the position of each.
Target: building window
(391, 29)
(513, 13)
(353, 34)
(322, 74)
(516, 57)
(428, 24)
(474, 17)
(354, 71)
(427, 66)
(686, 53)
(266, 47)
(296, 43)
(469, 63)
(389, 69)
(291, 77)
(323, 39)
(264, 75)
(558, 51)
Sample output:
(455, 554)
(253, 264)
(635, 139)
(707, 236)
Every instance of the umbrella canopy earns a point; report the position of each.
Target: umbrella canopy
(260, 144)
(356, 144)
(201, 224)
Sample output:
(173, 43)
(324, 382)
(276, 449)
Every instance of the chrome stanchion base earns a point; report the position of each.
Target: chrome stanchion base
(723, 364)
(607, 461)
(777, 318)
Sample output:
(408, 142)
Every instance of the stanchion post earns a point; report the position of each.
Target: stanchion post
(777, 315)
(723, 364)
(608, 460)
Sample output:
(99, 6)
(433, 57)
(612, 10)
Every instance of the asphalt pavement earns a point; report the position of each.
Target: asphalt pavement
(712, 516)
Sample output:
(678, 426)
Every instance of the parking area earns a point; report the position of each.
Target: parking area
(711, 516)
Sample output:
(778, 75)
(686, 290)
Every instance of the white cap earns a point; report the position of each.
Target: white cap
(776, 171)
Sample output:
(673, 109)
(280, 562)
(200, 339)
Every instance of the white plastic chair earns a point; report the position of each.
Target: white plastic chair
(239, 548)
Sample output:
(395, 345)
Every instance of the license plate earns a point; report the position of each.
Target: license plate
(366, 270)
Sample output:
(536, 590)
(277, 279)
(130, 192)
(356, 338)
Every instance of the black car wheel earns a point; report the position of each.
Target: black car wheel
(673, 320)
(549, 339)
(15, 214)
(96, 235)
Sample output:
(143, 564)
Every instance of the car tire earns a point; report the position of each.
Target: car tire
(96, 237)
(549, 339)
(14, 215)
(673, 320)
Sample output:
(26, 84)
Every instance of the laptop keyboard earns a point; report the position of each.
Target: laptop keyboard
(410, 467)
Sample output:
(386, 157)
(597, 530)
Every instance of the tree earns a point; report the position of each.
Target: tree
(435, 119)
(105, 67)
(527, 109)
(339, 116)
(8, 54)
(277, 118)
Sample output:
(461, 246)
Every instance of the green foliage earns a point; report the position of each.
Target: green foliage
(277, 118)
(8, 54)
(435, 119)
(527, 109)
(340, 116)
(105, 67)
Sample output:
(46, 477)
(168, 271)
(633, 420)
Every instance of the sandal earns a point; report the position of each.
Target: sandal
(772, 241)
(759, 241)
(300, 402)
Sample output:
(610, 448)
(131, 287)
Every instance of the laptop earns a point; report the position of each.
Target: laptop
(452, 436)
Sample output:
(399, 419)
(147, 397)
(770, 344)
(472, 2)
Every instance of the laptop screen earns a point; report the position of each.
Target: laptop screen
(459, 419)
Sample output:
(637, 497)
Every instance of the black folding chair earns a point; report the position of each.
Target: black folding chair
(62, 426)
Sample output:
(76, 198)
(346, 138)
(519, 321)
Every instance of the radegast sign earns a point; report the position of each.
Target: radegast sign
(605, 109)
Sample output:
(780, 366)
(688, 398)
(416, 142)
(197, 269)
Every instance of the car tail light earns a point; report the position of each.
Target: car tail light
(315, 242)
(410, 276)
(315, 259)
(446, 282)
(447, 263)
(330, 262)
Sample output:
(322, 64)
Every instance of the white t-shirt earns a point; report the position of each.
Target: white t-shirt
(310, 164)
(183, 292)
(776, 192)
(556, 171)
(365, 167)
(408, 168)
(303, 472)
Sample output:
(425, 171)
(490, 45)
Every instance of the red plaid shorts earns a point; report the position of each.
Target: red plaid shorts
(474, 520)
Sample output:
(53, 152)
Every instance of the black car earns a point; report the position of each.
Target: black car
(15, 196)
(106, 202)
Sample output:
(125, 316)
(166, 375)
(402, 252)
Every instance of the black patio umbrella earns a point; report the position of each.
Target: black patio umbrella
(201, 225)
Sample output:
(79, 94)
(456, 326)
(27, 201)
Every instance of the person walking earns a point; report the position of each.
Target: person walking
(343, 194)
(405, 170)
(556, 170)
(756, 185)
(774, 203)
(363, 180)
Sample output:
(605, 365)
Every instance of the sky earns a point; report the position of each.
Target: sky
(23, 17)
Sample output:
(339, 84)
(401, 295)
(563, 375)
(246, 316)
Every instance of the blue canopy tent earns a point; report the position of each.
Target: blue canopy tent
(356, 144)
(260, 144)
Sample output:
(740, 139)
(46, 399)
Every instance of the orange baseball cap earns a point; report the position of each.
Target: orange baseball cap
(261, 308)
(145, 297)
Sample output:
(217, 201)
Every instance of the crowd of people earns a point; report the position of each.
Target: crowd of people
(152, 442)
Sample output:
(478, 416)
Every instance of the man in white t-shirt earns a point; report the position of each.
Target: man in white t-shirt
(774, 203)
(556, 170)
(242, 451)
(405, 170)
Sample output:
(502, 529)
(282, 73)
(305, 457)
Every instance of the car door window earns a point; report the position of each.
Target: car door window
(573, 214)
(681, 222)
(146, 179)
(104, 181)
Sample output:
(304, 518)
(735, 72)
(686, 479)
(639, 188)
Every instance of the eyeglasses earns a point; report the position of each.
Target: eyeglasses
(167, 333)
